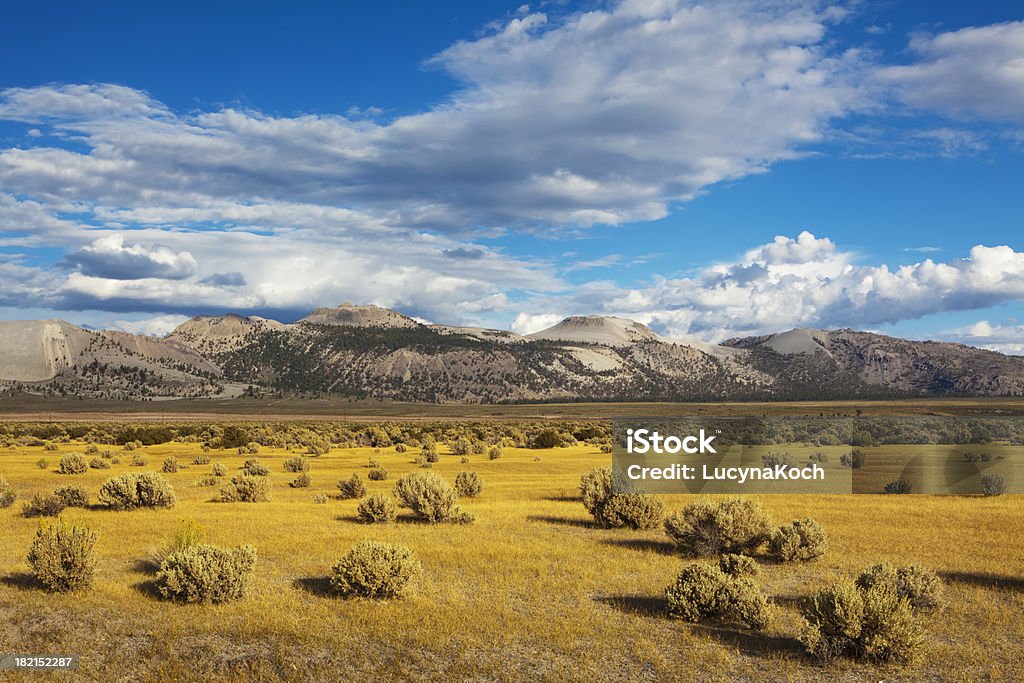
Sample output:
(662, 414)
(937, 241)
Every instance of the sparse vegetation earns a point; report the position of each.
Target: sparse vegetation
(246, 489)
(73, 463)
(7, 493)
(352, 487)
(377, 509)
(62, 556)
(710, 528)
(704, 592)
(72, 496)
(296, 464)
(468, 484)
(130, 491)
(430, 498)
(375, 570)
(43, 505)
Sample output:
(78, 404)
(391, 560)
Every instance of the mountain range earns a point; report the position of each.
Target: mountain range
(372, 352)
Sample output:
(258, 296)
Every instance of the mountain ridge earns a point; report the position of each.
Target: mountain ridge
(369, 351)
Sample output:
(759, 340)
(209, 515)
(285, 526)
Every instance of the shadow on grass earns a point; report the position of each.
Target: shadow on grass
(320, 586)
(145, 566)
(562, 521)
(753, 643)
(640, 605)
(20, 580)
(563, 499)
(148, 588)
(644, 545)
(984, 580)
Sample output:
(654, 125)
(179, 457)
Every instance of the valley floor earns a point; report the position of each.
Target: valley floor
(531, 591)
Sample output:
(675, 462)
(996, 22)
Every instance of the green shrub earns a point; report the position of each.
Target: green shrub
(130, 491)
(738, 565)
(99, 464)
(460, 446)
(42, 505)
(430, 498)
(430, 454)
(479, 447)
(920, 586)
(377, 474)
(251, 448)
(854, 459)
(377, 509)
(138, 460)
(468, 484)
(206, 573)
(993, 484)
(873, 623)
(219, 470)
(296, 464)
(63, 557)
(254, 468)
(596, 489)
(202, 459)
(632, 510)
(704, 592)
(42, 464)
(352, 488)
(800, 541)
(72, 496)
(187, 535)
(900, 485)
(7, 494)
(73, 463)
(709, 528)
(375, 570)
(301, 482)
(246, 489)
(549, 438)
(494, 453)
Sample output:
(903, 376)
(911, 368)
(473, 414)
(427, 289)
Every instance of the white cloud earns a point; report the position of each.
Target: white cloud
(157, 326)
(975, 72)
(800, 282)
(599, 117)
(109, 257)
(995, 337)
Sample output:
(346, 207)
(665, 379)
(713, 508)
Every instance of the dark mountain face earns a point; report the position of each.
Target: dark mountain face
(367, 352)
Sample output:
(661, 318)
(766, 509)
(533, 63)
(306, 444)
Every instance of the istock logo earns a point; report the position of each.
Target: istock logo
(645, 441)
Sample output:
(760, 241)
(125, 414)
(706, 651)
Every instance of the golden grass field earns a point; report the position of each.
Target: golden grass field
(531, 591)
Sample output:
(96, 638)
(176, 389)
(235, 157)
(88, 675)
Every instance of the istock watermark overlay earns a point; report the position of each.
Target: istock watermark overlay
(819, 455)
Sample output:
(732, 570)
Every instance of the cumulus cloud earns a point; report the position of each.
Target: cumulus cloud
(109, 257)
(157, 326)
(804, 281)
(604, 116)
(975, 72)
(992, 336)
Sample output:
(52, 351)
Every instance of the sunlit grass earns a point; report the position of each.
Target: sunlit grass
(530, 591)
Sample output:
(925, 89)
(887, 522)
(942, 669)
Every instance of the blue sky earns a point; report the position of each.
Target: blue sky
(712, 169)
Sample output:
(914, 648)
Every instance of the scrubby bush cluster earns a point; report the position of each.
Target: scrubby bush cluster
(72, 496)
(254, 468)
(854, 459)
(799, 541)
(246, 489)
(130, 491)
(375, 570)
(43, 505)
(206, 573)
(219, 470)
(296, 464)
(201, 459)
(7, 494)
(704, 592)
(62, 557)
(877, 617)
(430, 498)
(352, 488)
(73, 463)
(494, 453)
(301, 482)
(738, 565)
(612, 510)
(377, 509)
(138, 460)
(468, 484)
(377, 474)
(99, 464)
(709, 528)
(900, 485)
(170, 465)
(993, 484)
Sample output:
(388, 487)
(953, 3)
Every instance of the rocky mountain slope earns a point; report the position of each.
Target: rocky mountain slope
(367, 351)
